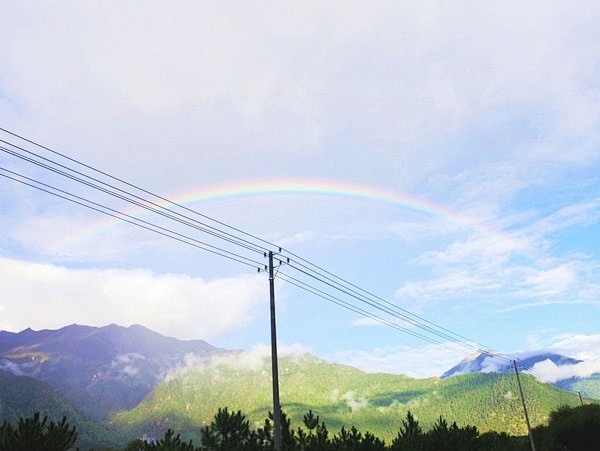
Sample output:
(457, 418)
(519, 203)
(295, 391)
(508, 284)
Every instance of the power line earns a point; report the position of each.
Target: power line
(232, 235)
(164, 199)
(403, 313)
(129, 219)
(134, 200)
(349, 306)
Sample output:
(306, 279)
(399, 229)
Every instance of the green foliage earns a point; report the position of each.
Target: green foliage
(410, 436)
(451, 438)
(22, 396)
(353, 440)
(501, 441)
(343, 395)
(135, 445)
(575, 429)
(37, 434)
(317, 437)
(228, 431)
(170, 442)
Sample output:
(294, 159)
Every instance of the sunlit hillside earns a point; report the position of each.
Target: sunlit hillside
(342, 396)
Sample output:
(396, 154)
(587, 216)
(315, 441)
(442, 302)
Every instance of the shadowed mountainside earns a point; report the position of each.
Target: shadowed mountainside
(21, 396)
(98, 369)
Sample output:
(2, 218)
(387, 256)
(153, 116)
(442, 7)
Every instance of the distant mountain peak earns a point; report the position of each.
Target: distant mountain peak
(486, 362)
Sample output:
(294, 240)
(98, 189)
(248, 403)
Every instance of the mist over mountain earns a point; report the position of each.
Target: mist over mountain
(99, 369)
(127, 381)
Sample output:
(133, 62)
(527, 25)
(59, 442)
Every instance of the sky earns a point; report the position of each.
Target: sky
(444, 156)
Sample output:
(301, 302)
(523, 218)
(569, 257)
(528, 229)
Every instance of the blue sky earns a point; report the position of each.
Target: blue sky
(483, 117)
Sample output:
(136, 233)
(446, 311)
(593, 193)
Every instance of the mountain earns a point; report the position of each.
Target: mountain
(559, 370)
(21, 396)
(340, 394)
(490, 363)
(134, 381)
(98, 369)
(587, 386)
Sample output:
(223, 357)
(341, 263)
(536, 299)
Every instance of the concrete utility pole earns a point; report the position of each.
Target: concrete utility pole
(274, 368)
(524, 407)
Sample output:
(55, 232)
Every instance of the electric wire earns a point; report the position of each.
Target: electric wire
(349, 306)
(378, 306)
(405, 314)
(295, 262)
(235, 257)
(317, 277)
(164, 199)
(133, 201)
(95, 186)
(130, 219)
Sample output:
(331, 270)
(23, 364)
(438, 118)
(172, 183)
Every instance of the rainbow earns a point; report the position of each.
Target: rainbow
(299, 186)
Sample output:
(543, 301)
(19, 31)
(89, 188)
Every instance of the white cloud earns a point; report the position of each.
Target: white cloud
(577, 214)
(299, 237)
(427, 361)
(551, 373)
(576, 346)
(404, 74)
(469, 106)
(172, 304)
(126, 363)
(552, 281)
(366, 322)
(584, 347)
(354, 403)
(254, 360)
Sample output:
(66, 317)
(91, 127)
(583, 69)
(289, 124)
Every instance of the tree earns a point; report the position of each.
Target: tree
(348, 440)
(136, 444)
(170, 442)
(410, 435)
(317, 437)
(573, 428)
(451, 438)
(35, 434)
(227, 431)
(497, 441)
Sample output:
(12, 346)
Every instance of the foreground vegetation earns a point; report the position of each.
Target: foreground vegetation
(573, 429)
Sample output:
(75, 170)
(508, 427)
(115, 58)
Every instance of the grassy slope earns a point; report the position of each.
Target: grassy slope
(342, 395)
(23, 396)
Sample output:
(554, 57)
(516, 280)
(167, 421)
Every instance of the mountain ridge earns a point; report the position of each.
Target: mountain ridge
(143, 382)
(489, 362)
(99, 369)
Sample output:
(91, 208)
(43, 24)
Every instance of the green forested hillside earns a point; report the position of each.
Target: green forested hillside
(341, 395)
(23, 396)
(589, 386)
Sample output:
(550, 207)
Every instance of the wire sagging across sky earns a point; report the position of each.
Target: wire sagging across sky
(115, 197)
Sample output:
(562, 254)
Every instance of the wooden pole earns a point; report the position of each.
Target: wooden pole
(277, 439)
(524, 407)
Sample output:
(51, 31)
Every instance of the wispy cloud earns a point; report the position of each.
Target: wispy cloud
(256, 359)
(522, 264)
(426, 361)
(489, 110)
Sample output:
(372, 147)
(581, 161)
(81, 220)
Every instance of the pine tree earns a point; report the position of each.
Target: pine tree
(37, 434)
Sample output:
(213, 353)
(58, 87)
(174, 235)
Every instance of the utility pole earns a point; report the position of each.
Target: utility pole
(274, 368)
(524, 407)
(580, 398)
